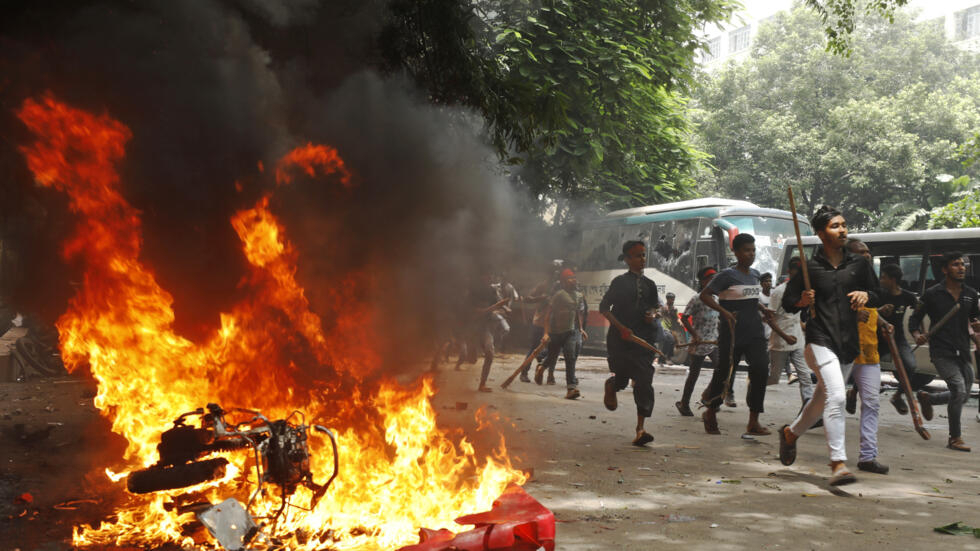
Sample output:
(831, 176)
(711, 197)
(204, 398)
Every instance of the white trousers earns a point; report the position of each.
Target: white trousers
(828, 399)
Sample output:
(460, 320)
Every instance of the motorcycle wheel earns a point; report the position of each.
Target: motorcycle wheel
(156, 479)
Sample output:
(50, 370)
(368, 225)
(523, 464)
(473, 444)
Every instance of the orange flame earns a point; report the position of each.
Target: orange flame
(399, 471)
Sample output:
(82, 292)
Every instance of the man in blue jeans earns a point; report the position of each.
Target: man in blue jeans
(563, 327)
(949, 345)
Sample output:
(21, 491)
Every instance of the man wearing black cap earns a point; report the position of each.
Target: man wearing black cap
(630, 305)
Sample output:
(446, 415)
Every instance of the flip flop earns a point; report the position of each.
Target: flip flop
(787, 451)
(643, 439)
(710, 426)
(761, 431)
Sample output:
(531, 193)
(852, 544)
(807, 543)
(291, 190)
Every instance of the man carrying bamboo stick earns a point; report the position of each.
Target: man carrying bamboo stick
(842, 282)
(630, 305)
(949, 344)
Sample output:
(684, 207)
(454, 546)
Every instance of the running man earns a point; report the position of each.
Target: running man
(738, 291)
(563, 328)
(702, 323)
(895, 302)
(867, 376)
(630, 305)
(782, 354)
(842, 282)
(949, 345)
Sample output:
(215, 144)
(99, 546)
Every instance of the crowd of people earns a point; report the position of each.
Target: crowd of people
(830, 324)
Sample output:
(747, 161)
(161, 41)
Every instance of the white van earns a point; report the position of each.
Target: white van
(919, 253)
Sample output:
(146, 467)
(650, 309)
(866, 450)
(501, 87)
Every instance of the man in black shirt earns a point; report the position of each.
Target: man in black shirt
(949, 345)
(630, 305)
(842, 282)
(895, 303)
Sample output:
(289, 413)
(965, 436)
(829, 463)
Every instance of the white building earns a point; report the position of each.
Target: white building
(732, 41)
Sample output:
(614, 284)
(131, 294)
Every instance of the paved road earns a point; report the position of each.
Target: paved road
(689, 490)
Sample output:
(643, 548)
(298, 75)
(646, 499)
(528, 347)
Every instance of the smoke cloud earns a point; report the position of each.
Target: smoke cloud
(212, 89)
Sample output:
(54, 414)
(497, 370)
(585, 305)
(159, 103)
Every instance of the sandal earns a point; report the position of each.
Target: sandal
(643, 439)
(787, 451)
(710, 425)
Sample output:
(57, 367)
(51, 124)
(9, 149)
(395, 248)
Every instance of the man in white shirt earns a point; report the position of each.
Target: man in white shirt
(781, 353)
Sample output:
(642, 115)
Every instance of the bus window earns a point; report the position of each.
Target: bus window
(601, 248)
(771, 235)
(672, 248)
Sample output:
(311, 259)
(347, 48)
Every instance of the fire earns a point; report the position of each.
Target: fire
(399, 470)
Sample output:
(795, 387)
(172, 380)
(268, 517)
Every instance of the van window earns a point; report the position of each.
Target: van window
(935, 272)
(911, 269)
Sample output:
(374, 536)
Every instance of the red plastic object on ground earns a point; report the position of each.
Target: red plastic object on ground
(516, 522)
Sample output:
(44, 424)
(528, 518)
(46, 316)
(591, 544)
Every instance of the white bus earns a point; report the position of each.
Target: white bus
(681, 238)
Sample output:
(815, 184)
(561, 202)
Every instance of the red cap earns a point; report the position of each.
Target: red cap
(567, 274)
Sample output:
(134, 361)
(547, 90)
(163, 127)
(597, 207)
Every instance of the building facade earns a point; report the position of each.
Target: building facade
(732, 41)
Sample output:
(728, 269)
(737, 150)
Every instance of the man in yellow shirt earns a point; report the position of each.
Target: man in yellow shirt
(867, 377)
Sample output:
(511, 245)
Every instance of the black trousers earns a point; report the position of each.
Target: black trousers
(628, 362)
(694, 371)
(756, 354)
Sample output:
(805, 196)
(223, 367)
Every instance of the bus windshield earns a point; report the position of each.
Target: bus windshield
(771, 235)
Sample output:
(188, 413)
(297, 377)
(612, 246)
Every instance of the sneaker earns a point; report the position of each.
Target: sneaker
(841, 476)
(924, 404)
(572, 394)
(900, 406)
(685, 409)
(873, 467)
(609, 398)
(850, 404)
(958, 445)
(730, 402)
(539, 374)
(525, 378)
(551, 379)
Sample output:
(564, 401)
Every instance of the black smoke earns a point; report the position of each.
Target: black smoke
(211, 89)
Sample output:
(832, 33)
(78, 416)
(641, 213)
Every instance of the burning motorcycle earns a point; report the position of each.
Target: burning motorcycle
(282, 458)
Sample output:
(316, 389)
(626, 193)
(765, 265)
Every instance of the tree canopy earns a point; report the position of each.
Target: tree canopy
(877, 132)
(587, 98)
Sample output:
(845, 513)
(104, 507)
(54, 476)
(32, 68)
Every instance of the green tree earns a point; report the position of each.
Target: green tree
(840, 17)
(877, 132)
(587, 97)
(965, 211)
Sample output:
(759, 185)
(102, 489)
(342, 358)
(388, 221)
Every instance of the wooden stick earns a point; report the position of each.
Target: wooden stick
(939, 324)
(903, 379)
(524, 364)
(697, 343)
(645, 344)
(799, 247)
